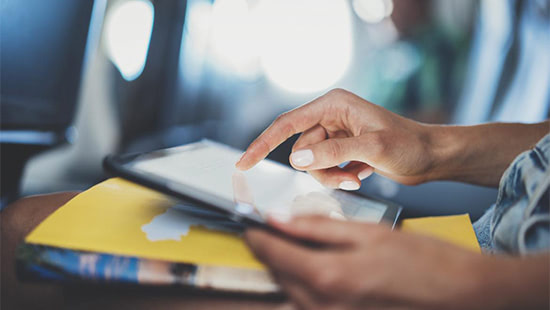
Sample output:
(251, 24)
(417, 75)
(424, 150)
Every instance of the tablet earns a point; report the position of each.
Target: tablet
(203, 173)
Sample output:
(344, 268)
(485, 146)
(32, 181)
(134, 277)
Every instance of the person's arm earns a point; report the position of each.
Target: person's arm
(480, 154)
(364, 266)
(340, 127)
(516, 282)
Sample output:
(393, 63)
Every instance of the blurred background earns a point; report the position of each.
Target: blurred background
(84, 79)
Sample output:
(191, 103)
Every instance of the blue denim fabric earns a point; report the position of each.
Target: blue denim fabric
(519, 221)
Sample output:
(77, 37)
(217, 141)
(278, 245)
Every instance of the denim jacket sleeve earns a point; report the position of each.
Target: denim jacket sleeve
(519, 221)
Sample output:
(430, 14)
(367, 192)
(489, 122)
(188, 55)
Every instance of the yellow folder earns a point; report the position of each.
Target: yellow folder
(455, 229)
(111, 218)
(117, 217)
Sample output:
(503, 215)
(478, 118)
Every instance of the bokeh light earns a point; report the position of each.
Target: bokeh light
(305, 46)
(372, 11)
(128, 31)
(233, 38)
(301, 46)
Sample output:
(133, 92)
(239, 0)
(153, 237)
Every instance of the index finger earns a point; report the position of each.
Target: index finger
(285, 126)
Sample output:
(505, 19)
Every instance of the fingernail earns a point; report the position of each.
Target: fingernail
(302, 158)
(349, 186)
(281, 217)
(365, 173)
(337, 216)
(238, 163)
(241, 158)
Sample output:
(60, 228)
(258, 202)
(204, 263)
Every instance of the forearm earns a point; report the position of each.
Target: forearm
(515, 283)
(480, 154)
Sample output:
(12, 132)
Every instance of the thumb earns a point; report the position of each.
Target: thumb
(325, 154)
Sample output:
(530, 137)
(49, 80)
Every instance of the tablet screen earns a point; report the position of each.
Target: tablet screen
(206, 171)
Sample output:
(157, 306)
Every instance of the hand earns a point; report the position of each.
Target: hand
(366, 266)
(340, 127)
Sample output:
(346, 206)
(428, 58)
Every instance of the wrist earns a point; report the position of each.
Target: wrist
(442, 148)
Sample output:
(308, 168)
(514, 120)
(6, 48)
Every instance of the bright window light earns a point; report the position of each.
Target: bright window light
(128, 28)
(198, 23)
(232, 38)
(305, 46)
(301, 46)
(373, 11)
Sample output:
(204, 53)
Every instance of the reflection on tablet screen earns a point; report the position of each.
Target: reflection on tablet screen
(206, 171)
